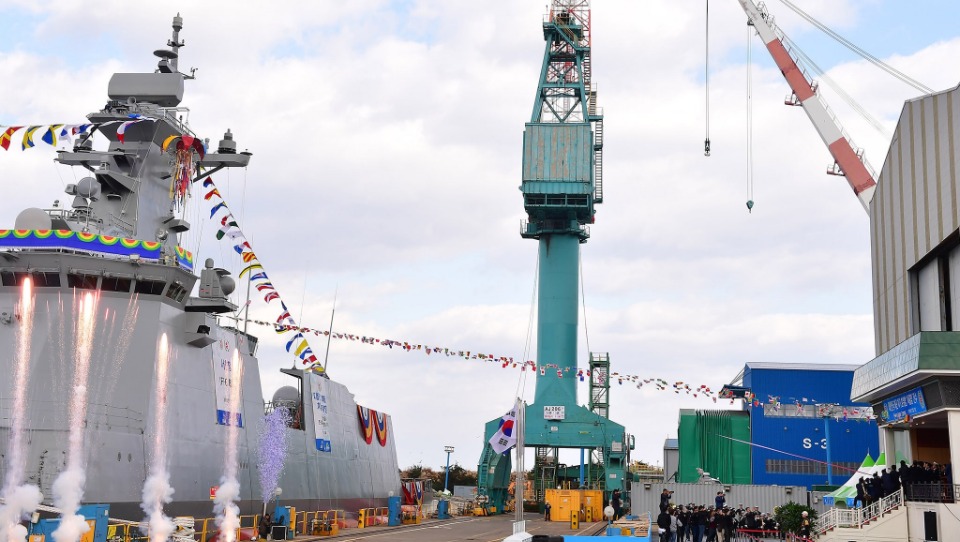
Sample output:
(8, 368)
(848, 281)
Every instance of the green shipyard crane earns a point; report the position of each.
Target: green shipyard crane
(562, 182)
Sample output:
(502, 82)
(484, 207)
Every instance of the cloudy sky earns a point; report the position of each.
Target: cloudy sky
(386, 140)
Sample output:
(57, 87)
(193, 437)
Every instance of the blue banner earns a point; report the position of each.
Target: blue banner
(226, 418)
(906, 404)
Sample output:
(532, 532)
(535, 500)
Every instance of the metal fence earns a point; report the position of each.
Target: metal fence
(856, 517)
(931, 492)
(645, 497)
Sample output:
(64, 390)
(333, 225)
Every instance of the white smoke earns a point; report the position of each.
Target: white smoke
(67, 495)
(157, 492)
(20, 504)
(16, 533)
(21, 499)
(68, 487)
(226, 510)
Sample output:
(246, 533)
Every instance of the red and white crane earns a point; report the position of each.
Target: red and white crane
(848, 160)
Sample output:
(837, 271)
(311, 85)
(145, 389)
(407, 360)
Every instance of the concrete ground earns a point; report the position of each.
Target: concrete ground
(459, 529)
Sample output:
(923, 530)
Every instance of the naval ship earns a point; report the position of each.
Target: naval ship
(119, 241)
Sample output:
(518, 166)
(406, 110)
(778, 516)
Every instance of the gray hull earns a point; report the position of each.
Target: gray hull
(120, 429)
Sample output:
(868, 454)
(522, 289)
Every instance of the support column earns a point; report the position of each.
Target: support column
(888, 445)
(902, 441)
(557, 314)
(953, 427)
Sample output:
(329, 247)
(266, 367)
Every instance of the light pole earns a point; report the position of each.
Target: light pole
(826, 411)
(446, 480)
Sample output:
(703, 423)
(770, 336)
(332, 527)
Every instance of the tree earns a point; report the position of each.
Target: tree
(790, 516)
(413, 471)
(460, 476)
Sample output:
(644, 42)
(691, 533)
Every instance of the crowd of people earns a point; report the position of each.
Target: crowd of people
(704, 523)
(915, 480)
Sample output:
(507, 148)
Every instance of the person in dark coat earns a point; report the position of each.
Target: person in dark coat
(665, 500)
(663, 522)
(616, 504)
(263, 528)
(805, 525)
(876, 488)
(861, 494)
(886, 482)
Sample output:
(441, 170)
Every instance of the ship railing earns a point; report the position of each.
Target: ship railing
(179, 116)
(320, 521)
(370, 517)
(126, 532)
(457, 506)
(209, 527)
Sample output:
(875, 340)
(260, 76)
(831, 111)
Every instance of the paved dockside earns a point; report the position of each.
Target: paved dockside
(474, 529)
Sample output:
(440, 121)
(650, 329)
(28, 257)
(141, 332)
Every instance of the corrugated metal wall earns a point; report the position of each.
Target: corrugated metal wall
(914, 209)
(849, 440)
(766, 498)
(557, 152)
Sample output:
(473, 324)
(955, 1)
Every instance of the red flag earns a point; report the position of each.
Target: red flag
(7, 134)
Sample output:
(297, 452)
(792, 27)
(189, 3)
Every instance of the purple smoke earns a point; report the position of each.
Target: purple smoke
(273, 450)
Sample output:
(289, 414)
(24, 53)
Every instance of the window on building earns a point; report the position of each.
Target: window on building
(82, 281)
(149, 287)
(803, 466)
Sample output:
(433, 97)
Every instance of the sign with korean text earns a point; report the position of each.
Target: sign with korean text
(321, 422)
(226, 376)
(906, 404)
(554, 412)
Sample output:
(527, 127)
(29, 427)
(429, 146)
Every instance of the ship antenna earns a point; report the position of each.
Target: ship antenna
(326, 355)
(175, 43)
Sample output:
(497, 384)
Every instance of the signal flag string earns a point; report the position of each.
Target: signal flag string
(230, 228)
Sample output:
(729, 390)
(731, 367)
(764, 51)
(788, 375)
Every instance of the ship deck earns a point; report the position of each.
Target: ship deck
(474, 529)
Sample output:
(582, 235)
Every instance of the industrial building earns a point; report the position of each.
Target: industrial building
(796, 419)
(914, 382)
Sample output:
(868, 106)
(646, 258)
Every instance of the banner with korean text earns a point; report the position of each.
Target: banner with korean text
(321, 424)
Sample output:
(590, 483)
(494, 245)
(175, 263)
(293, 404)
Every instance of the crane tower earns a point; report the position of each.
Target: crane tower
(561, 183)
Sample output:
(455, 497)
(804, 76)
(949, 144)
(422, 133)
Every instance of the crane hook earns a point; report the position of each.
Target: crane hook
(750, 206)
(706, 147)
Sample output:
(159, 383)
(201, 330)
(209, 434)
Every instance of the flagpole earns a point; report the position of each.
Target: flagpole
(326, 355)
(521, 423)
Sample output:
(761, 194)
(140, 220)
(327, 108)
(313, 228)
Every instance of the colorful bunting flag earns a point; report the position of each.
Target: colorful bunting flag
(7, 134)
(28, 137)
(50, 136)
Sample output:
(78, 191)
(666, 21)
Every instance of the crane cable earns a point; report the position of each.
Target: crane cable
(583, 301)
(822, 75)
(522, 379)
(706, 78)
(749, 118)
(862, 53)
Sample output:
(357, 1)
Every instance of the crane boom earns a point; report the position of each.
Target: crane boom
(848, 161)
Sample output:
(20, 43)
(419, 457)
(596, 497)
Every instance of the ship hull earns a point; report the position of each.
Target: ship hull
(120, 427)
